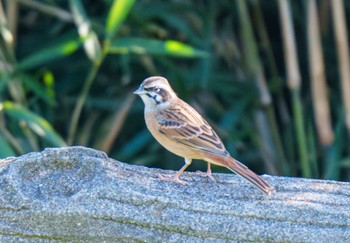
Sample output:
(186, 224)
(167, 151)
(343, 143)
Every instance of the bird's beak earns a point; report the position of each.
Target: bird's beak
(139, 91)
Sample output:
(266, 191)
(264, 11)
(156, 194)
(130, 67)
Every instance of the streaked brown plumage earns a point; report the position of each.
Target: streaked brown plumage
(183, 131)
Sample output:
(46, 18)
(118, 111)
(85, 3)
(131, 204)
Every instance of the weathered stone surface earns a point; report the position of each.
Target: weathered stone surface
(77, 194)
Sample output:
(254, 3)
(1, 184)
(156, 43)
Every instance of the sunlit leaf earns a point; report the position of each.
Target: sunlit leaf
(49, 81)
(117, 15)
(58, 50)
(37, 124)
(45, 93)
(154, 47)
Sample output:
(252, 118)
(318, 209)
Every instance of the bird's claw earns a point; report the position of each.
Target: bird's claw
(172, 178)
(206, 174)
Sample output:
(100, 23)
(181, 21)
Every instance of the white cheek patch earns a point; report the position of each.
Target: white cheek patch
(158, 99)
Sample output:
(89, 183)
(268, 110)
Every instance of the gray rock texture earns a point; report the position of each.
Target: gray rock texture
(76, 194)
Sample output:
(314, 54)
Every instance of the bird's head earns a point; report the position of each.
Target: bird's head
(155, 92)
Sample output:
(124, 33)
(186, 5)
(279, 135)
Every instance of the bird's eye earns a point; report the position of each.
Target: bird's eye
(157, 89)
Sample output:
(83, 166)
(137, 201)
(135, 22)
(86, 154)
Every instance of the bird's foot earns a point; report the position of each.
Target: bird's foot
(206, 174)
(173, 178)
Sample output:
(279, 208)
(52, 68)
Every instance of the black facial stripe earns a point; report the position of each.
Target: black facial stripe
(154, 98)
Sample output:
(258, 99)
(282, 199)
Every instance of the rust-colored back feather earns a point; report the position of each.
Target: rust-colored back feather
(185, 125)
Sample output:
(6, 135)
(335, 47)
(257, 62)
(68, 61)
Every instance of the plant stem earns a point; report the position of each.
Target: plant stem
(81, 101)
(84, 93)
(301, 136)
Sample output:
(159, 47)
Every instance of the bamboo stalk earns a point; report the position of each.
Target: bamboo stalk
(293, 82)
(281, 162)
(291, 55)
(254, 67)
(318, 79)
(341, 37)
(12, 16)
(81, 101)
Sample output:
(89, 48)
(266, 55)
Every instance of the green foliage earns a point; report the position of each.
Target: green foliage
(154, 47)
(116, 16)
(68, 69)
(6, 150)
(55, 51)
(37, 124)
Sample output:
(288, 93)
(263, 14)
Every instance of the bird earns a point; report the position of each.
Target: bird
(179, 128)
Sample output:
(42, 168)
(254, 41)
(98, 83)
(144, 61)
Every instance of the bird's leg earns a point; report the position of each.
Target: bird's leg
(175, 178)
(208, 174)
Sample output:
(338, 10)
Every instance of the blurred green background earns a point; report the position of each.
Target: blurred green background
(271, 77)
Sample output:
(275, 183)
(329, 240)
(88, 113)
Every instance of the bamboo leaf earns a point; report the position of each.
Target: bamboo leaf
(37, 124)
(117, 14)
(91, 44)
(62, 49)
(154, 47)
(45, 92)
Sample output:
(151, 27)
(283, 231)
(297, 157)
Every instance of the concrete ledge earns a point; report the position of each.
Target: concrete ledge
(79, 194)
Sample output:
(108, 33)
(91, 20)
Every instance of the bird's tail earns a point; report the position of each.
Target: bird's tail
(242, 170)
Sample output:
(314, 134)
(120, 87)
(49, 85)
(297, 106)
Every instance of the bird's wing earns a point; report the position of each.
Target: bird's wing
(185, 125)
